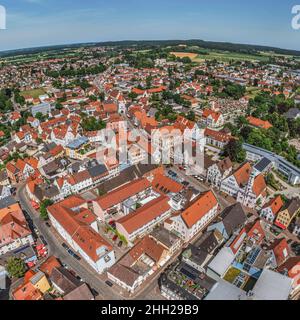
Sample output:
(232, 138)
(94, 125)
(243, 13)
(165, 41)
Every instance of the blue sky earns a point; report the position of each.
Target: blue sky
(49, 22)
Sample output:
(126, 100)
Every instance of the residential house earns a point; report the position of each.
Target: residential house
(198, 214)
(296, 227)
(258, 123)
(14, 230)
(212, 119)
(232, 219)
(287, 213)
(270, 210)
(111, 203)
(77, 225)
(146, 257)
(219, 171)
(291, 269)
(279, 251)
(143, 220)
(217, 139)
(4, 192)
(246, 186)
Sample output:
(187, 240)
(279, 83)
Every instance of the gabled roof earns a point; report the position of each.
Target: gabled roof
(76, 220)
(280, 249)
(199, 208)
(145, 214)
(27, 291)
(242, 174)
(165, 185)
(122, 193)
(13, 224)
(259, 123)
(218, 135)
(234, 217)
(292, 206)
(224, 164)
(64, 280)
(210, 113)
(259, 185)
(274, 204)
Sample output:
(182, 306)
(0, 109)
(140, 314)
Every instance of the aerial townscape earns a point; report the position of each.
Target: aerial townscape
(82, 219)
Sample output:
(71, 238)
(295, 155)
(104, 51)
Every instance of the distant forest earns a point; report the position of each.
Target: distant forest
(224, 46)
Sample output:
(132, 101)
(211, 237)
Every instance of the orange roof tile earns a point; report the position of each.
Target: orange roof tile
(123, 193)
(275, 204)
(199, 208)
(145, 214)
(259, 184)
(259, 123)
(242, 174)
(77, 225)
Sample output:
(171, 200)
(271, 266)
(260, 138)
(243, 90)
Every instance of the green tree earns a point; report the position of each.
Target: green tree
(43, 208)
(92, 124)
(234, 150)
(15, 267)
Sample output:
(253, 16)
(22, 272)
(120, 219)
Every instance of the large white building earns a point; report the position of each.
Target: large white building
(198, 215)
(77, 225)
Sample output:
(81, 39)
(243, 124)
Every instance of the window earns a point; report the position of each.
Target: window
(107, 259)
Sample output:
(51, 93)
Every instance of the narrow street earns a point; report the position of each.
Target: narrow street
(55, 248)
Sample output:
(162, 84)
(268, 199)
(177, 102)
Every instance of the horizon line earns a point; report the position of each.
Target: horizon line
(140, 40)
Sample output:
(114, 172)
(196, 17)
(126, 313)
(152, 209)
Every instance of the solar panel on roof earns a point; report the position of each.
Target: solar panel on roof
(262, 164)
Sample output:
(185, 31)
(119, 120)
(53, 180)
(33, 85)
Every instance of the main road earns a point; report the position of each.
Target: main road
(55, 248)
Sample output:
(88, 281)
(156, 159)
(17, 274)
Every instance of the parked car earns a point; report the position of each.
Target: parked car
(65, 246)
(71, 252)
(48, 224)
(172, 173)
(43, 240)
(120, 244)
(109, 283)
(115, 237)
(76, 257)
(185, 183)
(112, 223)
(94, 292)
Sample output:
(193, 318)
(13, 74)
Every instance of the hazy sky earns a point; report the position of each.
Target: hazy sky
(48, 22)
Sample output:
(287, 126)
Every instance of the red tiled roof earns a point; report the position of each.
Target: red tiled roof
(27, 292)
(259, 123)
(145, 214)
(199, 208)
(259, 185)
(242, 174)
(213, 114)
(77, 225)
(275, 204)
(217, 135)
(164, 185)
(123, 193)
(280, 249)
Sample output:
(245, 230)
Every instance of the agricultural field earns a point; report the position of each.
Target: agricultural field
(229, 56)
(190, 55)
(35, 93)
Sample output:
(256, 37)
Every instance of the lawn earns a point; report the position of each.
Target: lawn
(252, 92)
(35, 93)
